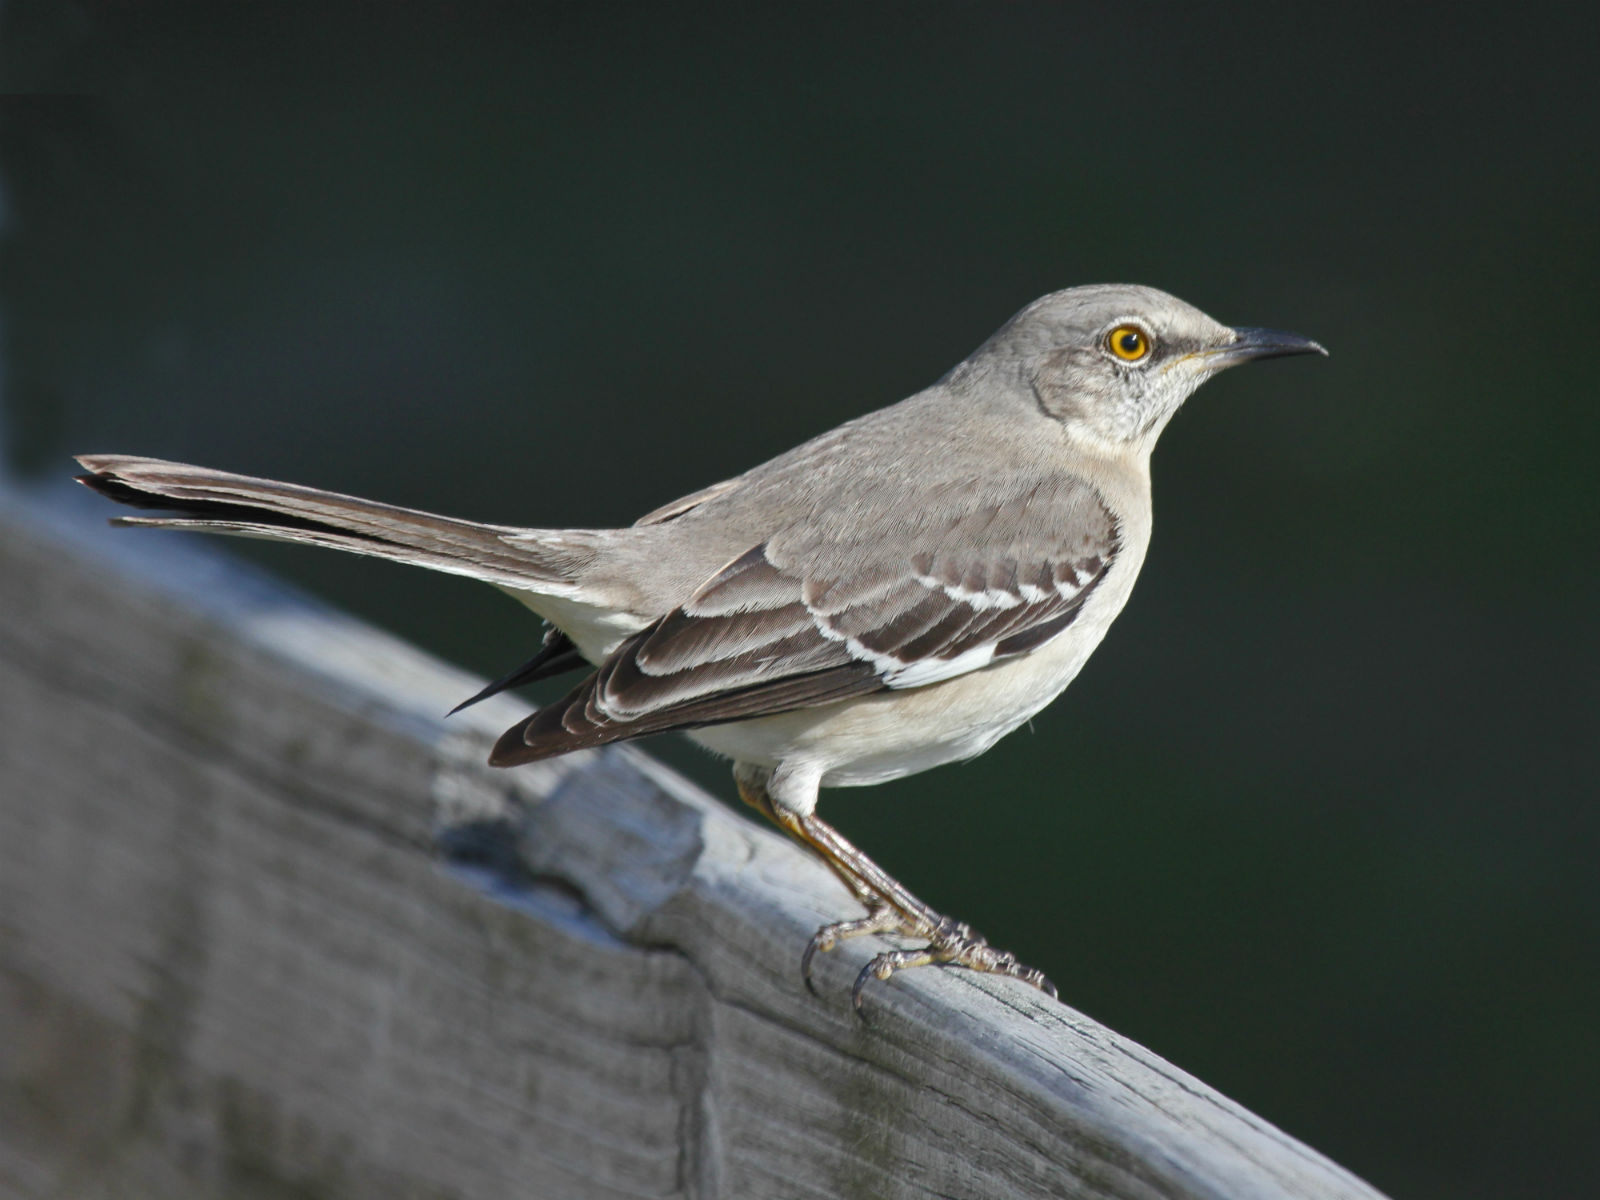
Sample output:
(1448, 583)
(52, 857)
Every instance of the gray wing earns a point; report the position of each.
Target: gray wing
(832, 609)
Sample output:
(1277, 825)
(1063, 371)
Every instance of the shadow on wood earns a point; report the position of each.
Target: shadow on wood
(270, 927)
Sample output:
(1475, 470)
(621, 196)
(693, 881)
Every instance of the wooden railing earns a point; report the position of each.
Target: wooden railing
(270, 927)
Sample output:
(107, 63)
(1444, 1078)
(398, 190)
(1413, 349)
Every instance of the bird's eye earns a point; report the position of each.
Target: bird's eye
(1129, 343)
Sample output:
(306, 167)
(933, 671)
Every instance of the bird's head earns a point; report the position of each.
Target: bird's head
(1114, 362)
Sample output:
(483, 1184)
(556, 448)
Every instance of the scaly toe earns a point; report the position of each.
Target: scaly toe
(952, 944)
(1007, 964)
(880, 918)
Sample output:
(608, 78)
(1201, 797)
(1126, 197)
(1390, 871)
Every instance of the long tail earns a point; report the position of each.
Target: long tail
(534, 560)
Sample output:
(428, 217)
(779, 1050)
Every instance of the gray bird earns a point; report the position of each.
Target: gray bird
(895, 594)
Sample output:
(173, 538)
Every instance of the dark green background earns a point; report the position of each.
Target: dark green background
(1318, 823)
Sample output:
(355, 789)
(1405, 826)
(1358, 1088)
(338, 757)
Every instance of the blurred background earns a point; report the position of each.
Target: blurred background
(1318, 822)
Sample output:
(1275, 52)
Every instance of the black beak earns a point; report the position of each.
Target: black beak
(1251, 344)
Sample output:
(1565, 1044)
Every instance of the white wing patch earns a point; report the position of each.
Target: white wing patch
(962, 657)
(986, 599)
(933, 670)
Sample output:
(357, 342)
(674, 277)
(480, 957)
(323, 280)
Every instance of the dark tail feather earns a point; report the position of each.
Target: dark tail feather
(556, 657)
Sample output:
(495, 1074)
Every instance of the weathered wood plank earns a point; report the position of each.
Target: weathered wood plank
(233, 960)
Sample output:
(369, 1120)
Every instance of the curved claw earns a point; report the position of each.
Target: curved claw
(880, 918)
(855, 993)
(819, 941)
(886, 964)
(876, 969)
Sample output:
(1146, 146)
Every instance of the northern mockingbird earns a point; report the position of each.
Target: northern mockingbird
(892, 595)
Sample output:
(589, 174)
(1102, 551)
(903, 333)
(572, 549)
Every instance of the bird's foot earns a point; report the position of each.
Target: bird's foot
(952, 943)
(880, 918)
(890, 907)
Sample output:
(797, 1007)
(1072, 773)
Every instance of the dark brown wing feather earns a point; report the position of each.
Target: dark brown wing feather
(573, 723)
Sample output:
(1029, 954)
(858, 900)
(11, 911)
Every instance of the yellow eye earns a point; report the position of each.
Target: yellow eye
(1128, 342)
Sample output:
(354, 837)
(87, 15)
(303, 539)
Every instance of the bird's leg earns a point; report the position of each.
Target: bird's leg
(757, 797)
(891, 908)
(949, 941)
(880, 918)
(894, 910)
